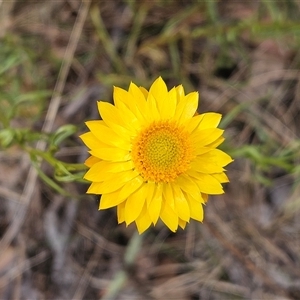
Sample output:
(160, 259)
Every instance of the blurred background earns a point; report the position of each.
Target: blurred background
(57, 58)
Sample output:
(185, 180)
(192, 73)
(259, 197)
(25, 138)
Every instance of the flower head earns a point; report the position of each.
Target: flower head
(153, 158)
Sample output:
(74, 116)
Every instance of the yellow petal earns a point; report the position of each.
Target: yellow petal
(143, 221)
(206, 183)
(103, 170)
(111, 154)
(113, 184)
(197, 198)
(182, 223)
(121, 212)
(181, 205)
(196, 209)
(91, 161)
(126, 106)
(134, 205)
(204, 197)
(111, 115)
(92, 175)
(221, 177)
(187, 107)
(91, 141)
(168, 194)
(139, 95)
(154, 206)
(201, 150)
(144, 91)
(205, 165)
(180, 93)
(110, 200)
(139, 101)
(193, 123)
(165, 104)
(204, 137)
(210, 120)
(133, 104)
(172, 103)
(108, 112)
(130, 187)
(116, 167)
(218, 157)
(169, 217)
(94, 187)
(129, 118)
(188, 185)
(151, 189)
(159, 89)
(152, 109)
(120, 96)
(216, 143)
(107, 136)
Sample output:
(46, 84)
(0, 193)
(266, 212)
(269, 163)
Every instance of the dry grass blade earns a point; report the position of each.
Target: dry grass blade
(48, 124)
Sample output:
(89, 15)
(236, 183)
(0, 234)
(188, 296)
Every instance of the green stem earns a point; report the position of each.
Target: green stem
(53, 161)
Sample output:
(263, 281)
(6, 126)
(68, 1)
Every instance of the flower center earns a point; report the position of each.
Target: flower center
(162, 151)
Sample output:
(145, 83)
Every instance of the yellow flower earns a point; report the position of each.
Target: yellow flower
(153, 158)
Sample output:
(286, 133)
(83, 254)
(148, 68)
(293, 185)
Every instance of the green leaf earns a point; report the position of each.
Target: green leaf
(61, 134)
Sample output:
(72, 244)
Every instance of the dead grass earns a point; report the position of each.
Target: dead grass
(242, 56)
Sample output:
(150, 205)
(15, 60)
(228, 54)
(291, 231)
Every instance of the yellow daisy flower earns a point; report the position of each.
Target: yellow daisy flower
(153, 158)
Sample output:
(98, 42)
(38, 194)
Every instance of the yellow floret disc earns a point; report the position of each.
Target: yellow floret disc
(162, 151)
